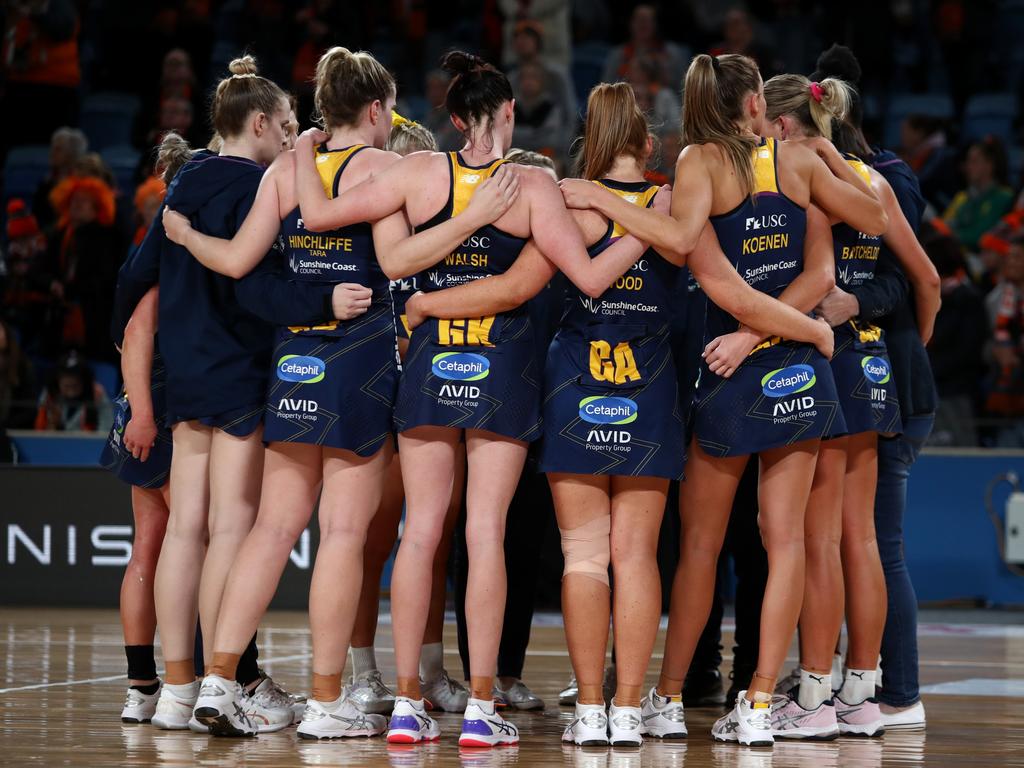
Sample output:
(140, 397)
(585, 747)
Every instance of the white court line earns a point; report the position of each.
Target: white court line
(294, 657)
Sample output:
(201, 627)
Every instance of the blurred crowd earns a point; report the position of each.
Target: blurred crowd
(66, 62)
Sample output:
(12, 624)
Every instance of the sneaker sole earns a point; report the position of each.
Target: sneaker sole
(352, 735)
(136, 721)
(916, 726)
(405, 737)
(862, 732)
(218, 723)
(481, 744)
(675, 736)
(797, 736)
(624, 743)
(759, 743)
(163, 725)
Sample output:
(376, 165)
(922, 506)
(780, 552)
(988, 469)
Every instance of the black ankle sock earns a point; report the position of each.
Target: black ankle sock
(149, 690)
(141, 662)
(248, 671)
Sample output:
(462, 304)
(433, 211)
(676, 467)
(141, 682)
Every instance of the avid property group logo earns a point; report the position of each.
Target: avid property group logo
(782, 384)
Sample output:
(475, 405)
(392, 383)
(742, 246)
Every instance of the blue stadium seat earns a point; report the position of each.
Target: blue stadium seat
(990, 113)
(108, 119)
(587, 68)
(24, 169)
(123, 161)
(108, 376)
(901, 105)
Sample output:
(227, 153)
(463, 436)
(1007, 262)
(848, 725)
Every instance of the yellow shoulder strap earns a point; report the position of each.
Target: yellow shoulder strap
(642, 199)
(765, 179)
(329, 164)
(466, 180)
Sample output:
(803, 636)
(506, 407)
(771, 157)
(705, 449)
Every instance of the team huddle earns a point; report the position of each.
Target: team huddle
(350, 321)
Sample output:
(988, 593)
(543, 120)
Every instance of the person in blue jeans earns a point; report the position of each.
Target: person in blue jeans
(888, 301)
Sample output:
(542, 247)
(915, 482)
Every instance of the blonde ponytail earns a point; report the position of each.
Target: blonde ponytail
(816, 105)
(713, 96)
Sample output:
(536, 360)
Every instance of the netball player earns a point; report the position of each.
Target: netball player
(367, 690)
(323, 425)
(215, 377)
(138, 451)
(587, 376)
(779, 401)
(842, 496)
(473, 376)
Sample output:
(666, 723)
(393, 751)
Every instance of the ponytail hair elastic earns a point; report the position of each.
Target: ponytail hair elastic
(817, 92)
(397, 119)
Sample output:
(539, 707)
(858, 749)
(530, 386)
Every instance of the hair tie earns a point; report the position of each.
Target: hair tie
(817, 92)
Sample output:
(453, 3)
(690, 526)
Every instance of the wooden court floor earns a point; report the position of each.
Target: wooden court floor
(62, 686)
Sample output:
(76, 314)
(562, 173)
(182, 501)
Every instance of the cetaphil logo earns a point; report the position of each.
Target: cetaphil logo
(876, 369)
(788, 381)
(767, 221)
(301, 369)
(460, 366)
(608, 410)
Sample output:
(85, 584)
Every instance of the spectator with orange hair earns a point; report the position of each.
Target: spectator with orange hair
(84, 255)
(149, 195)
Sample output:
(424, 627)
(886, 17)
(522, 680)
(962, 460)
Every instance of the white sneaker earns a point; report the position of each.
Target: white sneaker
(196, 727)
(338, 720)
(624, 726)
(445, 694)
(748, 723)
(139, 707)
(662, 717)
(589, 727)
(786, 685)
(370, 695)
(910, 718)
(222, 707)
(482, 726)
(861, 719)
(174, 707)
(410, 723)
(296, 701)
(269, 707)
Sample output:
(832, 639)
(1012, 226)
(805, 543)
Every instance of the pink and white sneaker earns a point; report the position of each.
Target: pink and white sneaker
(863, 719)
(791, 721)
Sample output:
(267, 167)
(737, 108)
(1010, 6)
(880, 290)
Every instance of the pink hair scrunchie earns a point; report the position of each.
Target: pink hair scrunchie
(817, 92)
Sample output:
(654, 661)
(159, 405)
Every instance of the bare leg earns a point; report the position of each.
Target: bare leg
(821, 618)
(786, 476)
(581, 499)
(291, 483)
(353, 486)
(428, 464)
(439, 579)
(638, 505)
(862, 567)
(380, 540)
(138, 612)
(705, 501)
(236, 475)
(176, 584)
(493, 466)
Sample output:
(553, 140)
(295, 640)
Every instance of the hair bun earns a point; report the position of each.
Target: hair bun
(839, 62)
(245, 65)
(460, 62)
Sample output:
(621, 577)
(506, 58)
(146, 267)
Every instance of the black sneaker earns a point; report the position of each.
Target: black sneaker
(703, 689)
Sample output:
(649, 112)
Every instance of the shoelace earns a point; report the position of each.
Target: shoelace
(272, 697)
(376, 684)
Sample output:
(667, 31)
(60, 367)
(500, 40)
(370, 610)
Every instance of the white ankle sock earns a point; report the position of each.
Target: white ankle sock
(858, 685)
(837, 671)
(363, 660)
(431, 661)
(814, 689)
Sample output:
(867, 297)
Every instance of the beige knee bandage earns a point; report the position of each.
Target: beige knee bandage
(587, 549)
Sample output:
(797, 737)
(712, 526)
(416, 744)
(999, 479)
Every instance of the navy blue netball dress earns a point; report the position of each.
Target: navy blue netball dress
(611, 401)
(334, 384)
(784, 391)
(863, 373)
(154, 471)
(474, 372)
